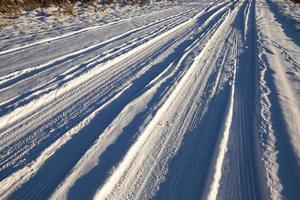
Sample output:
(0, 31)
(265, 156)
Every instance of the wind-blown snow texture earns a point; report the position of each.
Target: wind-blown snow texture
(196, 100)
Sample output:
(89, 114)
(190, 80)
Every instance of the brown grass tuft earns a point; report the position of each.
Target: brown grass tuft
(68, 8)
(10, 7)
(14, 7)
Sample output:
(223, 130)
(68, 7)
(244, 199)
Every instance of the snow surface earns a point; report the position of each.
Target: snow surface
(178, 100)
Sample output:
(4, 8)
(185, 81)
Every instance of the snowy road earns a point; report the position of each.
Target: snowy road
(197, 101)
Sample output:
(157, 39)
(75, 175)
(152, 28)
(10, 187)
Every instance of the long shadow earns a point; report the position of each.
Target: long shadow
(243, 117)
(188, 170)
(289, 170)
(63, 128)
(34, 153)
(58, 165)
(287, 27)
(115, 152)
(55, 169)
(77, 55)
(26, 97)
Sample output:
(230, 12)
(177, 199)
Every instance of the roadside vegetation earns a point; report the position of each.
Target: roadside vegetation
(14, 7)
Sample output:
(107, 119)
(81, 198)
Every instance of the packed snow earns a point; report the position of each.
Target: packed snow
(170, 100)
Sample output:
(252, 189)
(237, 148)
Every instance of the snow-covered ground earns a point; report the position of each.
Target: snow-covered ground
(190, 100)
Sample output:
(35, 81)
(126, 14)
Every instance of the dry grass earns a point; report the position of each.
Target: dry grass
(14, 7)
(68, 8)
(9, 7)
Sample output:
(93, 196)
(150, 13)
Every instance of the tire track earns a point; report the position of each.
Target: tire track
(47, 40)
(15, 77)
(131, 171)
(240, 164)
(74, 72)
(182, 36)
